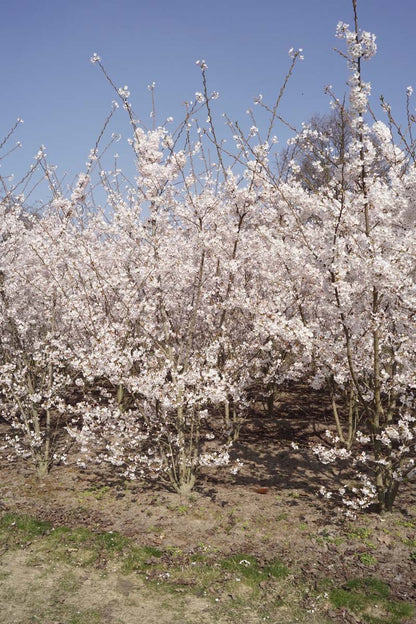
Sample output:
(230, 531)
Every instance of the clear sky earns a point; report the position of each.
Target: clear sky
(47, 78)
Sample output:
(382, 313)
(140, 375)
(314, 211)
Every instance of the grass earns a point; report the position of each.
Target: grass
(140, 558)
(246, 567)
(203, 572)
(89, 616)
(69, 615)
(69, 582)
(369, 598)
(234, 585)
(15, 528)
(79, 546)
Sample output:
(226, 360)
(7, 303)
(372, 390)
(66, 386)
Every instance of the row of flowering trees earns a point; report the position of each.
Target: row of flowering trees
(137, 325)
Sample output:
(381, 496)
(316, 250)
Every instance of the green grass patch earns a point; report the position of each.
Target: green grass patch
(110, 541)
(79, 546)
(369, 598)
(140, 559)
(276, 569)
(89, 616)
(199, 558)
(26, 526)
(69, 583)
(71, 537)
(84, 547)
(371, 585)
(246, 567)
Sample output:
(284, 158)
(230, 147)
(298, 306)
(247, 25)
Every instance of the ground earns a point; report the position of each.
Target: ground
(84, 547)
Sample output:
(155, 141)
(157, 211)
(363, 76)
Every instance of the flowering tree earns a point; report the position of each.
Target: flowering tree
(151, 318)
(35, 348)
(170, 295)
(356, 238)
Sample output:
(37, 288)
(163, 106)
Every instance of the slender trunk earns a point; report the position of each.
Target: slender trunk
(237, 422)
(336, 418)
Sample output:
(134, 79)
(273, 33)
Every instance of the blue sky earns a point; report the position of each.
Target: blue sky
(48, 80)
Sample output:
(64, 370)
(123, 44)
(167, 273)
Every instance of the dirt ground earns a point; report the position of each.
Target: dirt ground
(269, 510)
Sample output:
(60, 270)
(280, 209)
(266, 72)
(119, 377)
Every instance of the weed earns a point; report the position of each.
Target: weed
(182, 510)
(325, 538)
(361, 533)
(368, 559)
(281, 516)
(175, 551)
(207, 548)
(293, 494)
(95, 491)
(408, 524)
(153, 528)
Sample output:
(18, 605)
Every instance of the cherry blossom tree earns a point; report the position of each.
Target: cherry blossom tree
(35, 352)
(171, 279)
(145, 319)
(355, 240)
